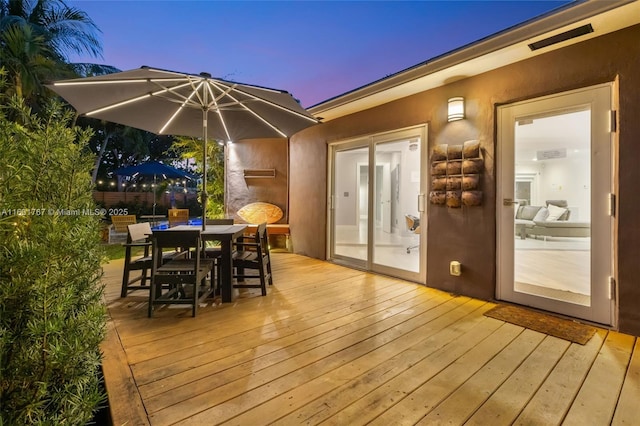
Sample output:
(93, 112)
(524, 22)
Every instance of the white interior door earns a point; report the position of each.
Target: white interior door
(555, 238)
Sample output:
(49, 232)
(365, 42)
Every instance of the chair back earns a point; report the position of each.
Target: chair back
(264, 238)
(413, 223)
(183, 279)
(171, 239)
(178, 217)
(120, 223)
(262, 241)
(139, 231)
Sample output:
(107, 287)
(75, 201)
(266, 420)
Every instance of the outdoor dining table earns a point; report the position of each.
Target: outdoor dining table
(226, 234)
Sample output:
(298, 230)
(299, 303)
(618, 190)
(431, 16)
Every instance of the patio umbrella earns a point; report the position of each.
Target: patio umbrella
(169, 102)
(155, 169)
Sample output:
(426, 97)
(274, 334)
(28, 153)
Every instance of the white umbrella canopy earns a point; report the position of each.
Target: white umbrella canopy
(173, 103)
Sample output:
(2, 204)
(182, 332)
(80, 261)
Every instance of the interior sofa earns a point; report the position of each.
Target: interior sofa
(552, 220)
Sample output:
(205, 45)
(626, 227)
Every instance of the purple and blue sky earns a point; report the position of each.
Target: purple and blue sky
(314, 50)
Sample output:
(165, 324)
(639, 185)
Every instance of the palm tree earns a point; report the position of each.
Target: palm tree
(24, 56)
(36, 39)
(188, 148)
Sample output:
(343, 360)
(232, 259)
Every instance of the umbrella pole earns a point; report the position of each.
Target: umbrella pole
(204, 196)
(153, 191)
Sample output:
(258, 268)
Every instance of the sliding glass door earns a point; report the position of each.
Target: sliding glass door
(377, 204)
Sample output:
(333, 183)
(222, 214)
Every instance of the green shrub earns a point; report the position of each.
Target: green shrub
(52, 318)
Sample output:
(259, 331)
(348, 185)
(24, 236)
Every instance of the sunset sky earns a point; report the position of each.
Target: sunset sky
(314, 50)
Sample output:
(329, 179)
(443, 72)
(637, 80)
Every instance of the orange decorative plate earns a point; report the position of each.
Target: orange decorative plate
(260, 212)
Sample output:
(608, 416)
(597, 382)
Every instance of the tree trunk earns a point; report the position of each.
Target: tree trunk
(103, 147)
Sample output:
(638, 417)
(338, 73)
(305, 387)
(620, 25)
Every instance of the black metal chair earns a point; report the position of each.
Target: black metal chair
(179, 281)
(253, 255)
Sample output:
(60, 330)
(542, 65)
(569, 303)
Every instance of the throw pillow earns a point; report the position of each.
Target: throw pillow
(555, 212)
(529, 212)
(542, 215)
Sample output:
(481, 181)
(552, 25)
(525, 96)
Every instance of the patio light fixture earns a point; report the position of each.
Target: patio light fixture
(456, 109)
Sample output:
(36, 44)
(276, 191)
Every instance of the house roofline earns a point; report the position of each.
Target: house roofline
(534, 28)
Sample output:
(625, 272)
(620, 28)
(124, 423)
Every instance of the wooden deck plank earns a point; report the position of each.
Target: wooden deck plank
(627, 410)
(465, 400)
(596, 401)
(246, 322)
(337, 399)
(258, 387)
(504, 405)
(297, 337)
(420, 401)
(374, 403)
(277, 306)
(125, 403)
(243, 343)
(272, 410)
(553, 399)
(141, 333)
(337, 346)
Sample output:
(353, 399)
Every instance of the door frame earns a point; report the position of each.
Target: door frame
(603, 304)
(370, 141)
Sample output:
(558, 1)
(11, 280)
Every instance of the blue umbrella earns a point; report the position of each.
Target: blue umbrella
(155, 169)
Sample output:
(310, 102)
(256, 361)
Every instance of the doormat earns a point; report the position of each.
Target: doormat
(548, 324)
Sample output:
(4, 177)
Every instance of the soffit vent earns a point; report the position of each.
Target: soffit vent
(567, 35)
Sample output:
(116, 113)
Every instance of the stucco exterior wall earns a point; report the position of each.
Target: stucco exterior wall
(310, 189)
(257, 154)
(469, 234)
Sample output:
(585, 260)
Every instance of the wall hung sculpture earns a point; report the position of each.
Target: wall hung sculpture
(455, 175)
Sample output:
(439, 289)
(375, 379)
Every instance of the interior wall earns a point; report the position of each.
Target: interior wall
(469, 234)
(562, 179)
(347, 189)
(257, 154)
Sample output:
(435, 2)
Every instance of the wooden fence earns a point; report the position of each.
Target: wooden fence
(110, 199)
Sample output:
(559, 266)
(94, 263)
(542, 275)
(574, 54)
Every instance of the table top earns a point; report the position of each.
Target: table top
(217, 232)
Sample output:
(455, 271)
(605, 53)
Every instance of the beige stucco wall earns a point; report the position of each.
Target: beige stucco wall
(469, 234)
(257, 154)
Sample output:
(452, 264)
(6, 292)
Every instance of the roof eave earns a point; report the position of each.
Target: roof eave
(567, 15)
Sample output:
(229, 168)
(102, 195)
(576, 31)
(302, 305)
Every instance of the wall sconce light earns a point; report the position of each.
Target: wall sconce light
(456, 109)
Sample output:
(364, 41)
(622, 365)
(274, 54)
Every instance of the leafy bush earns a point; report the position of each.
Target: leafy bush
(52, 318)
(192, 148)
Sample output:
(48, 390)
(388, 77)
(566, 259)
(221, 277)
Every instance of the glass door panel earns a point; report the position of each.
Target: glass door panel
(396, 231)
(552, 254)
(351, 203)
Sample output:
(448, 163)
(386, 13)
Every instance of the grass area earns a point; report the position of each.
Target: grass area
(113, 251)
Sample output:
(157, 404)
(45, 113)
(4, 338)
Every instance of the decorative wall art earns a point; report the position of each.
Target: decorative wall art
(455, 175)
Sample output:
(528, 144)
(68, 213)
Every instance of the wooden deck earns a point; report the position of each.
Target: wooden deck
(336, 346)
